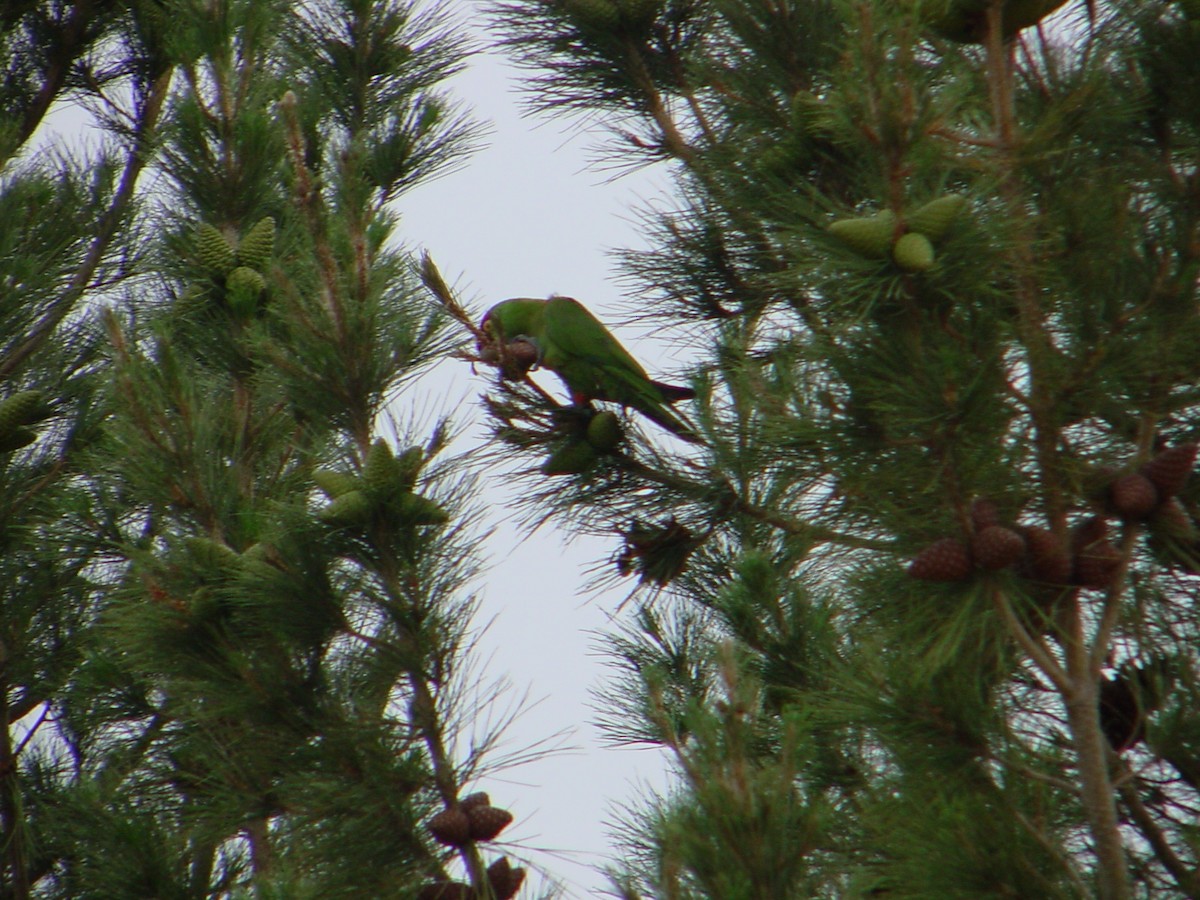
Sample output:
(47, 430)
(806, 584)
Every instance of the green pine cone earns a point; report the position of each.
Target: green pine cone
(211, 554)
(871, 236)
(255, 562)
(381, 471)
(604, 430)
(935, 217)
(413, 509)
(335, 483)
(256, 245)
(23, 408)
(243, 287)
(16, 439)
(408, 467)
(913, 252)
(350, 510)
(213, 249)
(571, 458)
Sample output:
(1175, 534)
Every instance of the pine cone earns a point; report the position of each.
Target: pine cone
(16, 439)
(335, 483)
(1089, 531)
(1096, 559)
(1133, 496)
(934, 218)
(243, 288)
(351, 509)
(487, 821)
(996, 547)
(604, 430)
(469, 802)
(451, 826)
(913, 252)
(1171, 520)
(1174, 536)
(1047, 560)
(504, 879)
(872, 236)
(212, 248)
(381, 470)
(256, 245)
(984, 513)
(943, 560)
(571, 458)
(23, 408)
(1170, 469)
(412, 510)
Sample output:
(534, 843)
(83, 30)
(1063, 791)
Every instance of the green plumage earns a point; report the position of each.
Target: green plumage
(573, 344)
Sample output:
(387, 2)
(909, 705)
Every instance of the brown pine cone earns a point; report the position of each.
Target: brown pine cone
(1047, 560)
(1133, 496)
(1090, 530)
(451, 826)
(996, 547)
(479, 798)
(943, 560)
(504, 879)
(984, 513)
(1169, 470)
(487, 822)
(1096, 559)
(1172, 520)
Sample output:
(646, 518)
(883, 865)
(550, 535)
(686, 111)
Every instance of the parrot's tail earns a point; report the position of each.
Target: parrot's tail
(674, 424)
(673, 393)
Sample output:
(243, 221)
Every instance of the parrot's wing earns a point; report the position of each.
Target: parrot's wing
(595, 366)
(576, 333)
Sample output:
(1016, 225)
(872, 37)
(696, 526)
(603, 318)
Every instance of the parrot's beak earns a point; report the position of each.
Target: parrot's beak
(513, 359)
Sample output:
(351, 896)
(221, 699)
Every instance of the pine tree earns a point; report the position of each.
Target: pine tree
(236, 587)
(918, 619)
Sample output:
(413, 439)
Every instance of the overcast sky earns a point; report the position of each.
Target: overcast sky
(527, 216)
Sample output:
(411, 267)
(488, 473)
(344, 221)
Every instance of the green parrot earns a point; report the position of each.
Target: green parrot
(573, 344)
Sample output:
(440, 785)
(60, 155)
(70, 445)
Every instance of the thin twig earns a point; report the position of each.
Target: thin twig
(1185, 877)
(106, 231)
(1035, 647)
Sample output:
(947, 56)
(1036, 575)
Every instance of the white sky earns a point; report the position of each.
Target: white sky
(528, 217)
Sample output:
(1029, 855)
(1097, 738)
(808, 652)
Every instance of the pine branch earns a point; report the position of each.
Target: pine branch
(1091, 748)
(107, 229)
(71, 38)
(13, 824)
(308, 199)
(1035, 647)
(1186, 878)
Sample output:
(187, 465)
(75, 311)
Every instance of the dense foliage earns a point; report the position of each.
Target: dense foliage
(235, 592)
(918, 618)
(916, 608)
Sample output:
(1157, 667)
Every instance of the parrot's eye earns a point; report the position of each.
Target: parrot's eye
(489, 330)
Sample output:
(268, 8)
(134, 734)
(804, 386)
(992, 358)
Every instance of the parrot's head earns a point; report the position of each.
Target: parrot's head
(519, 317)
(510, 332)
